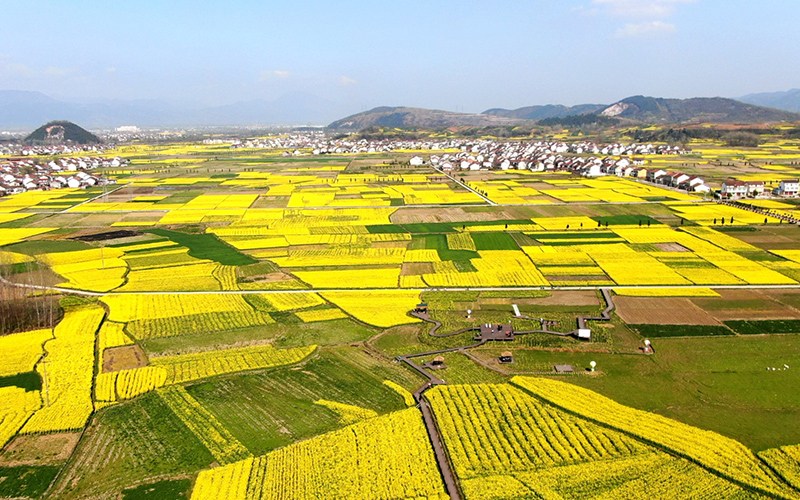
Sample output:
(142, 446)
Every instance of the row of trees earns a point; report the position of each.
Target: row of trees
(24, 309)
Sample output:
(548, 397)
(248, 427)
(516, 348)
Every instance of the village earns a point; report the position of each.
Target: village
(20, 175)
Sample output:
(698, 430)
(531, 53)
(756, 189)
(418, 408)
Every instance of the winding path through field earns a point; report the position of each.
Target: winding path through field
(434, 433)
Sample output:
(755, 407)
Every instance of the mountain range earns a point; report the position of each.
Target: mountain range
(788, 100)
(631, 110)
(26, 109)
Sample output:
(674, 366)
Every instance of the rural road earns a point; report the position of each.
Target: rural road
(90, 293)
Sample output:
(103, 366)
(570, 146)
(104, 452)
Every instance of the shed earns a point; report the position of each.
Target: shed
(438, 361)
(564, 369)
(506, 357)
(490, 331)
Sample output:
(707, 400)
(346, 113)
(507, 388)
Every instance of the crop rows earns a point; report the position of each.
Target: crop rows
(723, 455)
(197, 323)
(785, 460)
(382, 309)
(67, 371)
(126, 308)
(388, 457)
(348, 414)
(16, 405)
(127, 384)
(186, 367)
(491, 428)
(215, 437)
(21, 351)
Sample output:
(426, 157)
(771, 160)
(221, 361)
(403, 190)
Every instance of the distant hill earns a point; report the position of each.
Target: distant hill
(402, 117)
(695, 110)
(633, 110)
(545, 111)
(61, 132)
(788, 100)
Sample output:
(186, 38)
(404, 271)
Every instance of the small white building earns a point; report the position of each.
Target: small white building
(733, 188)
(416, 161)
(789, 188)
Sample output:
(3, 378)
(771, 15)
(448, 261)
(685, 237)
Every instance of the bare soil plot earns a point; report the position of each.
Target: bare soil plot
(746, 304)
(563, 298)
(449, 214)
(771, 237)
(123, 358)
(671, 247)
(787, 297)
(412, 268)
(661, 311)
(39, 449)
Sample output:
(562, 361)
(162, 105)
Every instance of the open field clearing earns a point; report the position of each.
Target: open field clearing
(239, 323)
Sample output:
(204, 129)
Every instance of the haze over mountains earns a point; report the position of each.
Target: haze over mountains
(788, 100)
(26, 109)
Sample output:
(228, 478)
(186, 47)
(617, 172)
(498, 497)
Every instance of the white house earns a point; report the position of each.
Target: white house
(416, 161)
(789, 188)
(732, 188)
(754, 188)
(594, 171)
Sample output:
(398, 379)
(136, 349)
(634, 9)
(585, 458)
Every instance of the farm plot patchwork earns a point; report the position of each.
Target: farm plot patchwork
(335, 227)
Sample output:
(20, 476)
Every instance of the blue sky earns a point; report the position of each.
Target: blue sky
(456, 55)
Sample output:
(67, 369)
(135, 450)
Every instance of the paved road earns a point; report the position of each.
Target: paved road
(77, 291)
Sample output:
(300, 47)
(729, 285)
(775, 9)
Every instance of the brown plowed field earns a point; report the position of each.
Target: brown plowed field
(661, 311)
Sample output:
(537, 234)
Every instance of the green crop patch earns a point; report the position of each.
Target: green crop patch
(494, 241)
(207, 246)
(385, 229)
(30, 381)
(169, 489)
(625, 220)
(757, 327)
(26, 481)
(574, 235)
(656, 331)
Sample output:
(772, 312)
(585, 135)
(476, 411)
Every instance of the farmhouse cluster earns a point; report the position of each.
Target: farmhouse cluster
(736, 189)
(618, 159)
(20, 175)
(319, 144)
(19, 149)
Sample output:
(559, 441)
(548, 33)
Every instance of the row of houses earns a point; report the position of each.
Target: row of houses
(318, 143)
(544, 155)
(21, 174)
(735, 189)
(19, 149)
(547, 156)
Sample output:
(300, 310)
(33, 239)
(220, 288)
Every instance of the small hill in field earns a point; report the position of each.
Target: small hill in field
(61, 132)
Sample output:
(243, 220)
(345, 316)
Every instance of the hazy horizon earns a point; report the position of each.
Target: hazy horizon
(458, 56)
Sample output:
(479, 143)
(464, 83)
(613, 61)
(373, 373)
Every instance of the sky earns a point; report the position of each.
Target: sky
(457, 55)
